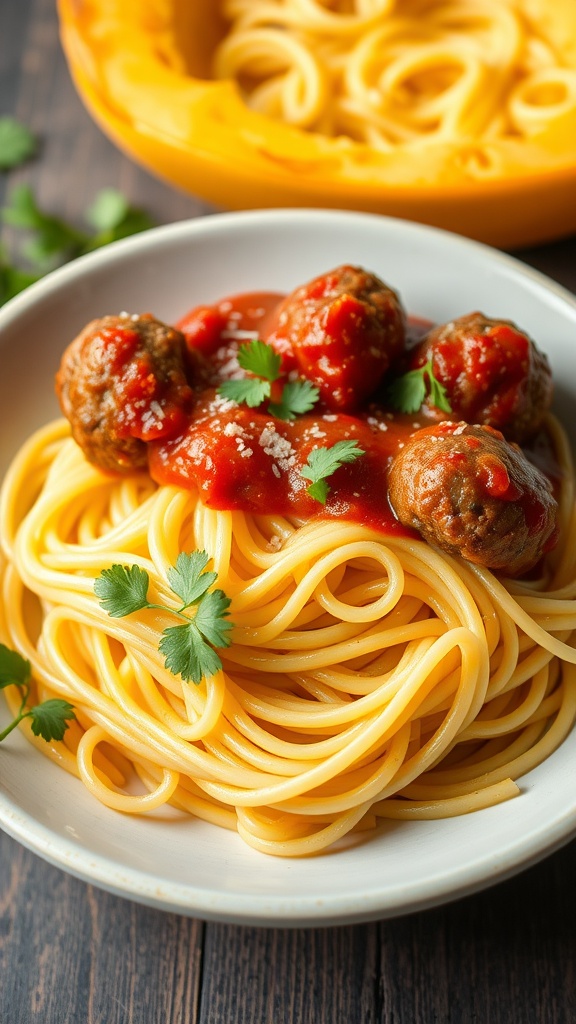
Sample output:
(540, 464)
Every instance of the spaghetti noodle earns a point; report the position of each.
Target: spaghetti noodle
(370, 676)
(399, 75)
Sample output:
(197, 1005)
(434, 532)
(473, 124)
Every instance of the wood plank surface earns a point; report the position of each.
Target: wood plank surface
(71, 954)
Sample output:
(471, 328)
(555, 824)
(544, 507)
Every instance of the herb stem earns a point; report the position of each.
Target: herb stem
(24, 689)
(6, 732)
(171, 611)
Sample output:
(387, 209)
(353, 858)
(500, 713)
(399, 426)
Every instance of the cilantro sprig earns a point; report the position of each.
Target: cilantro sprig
(52, 240)
(323, 462)
(48, 719)
(49, 240)
(17, 143)
(260, 360)
(12, 279)
(407, 393)
(189, 649)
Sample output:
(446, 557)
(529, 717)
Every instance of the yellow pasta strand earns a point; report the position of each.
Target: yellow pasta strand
(369, 677)
(399, 75)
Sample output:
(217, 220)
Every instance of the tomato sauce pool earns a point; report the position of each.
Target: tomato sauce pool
(246, 459)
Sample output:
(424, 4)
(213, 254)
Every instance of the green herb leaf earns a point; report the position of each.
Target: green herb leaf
(122, 589)
(107, 211)
(249, 391)
(112, 218)
(188, 649)
(319, 490)
(52, 241)
(50, 718)
(260, 359)
(438, 395)
(14, 669)
(17, 143)
(13, 281)
(323, 462)
(298, 396)
(407, 393)
(188, 580)
(187, 654)
(264, 363)
(210, 618)
(55, 240)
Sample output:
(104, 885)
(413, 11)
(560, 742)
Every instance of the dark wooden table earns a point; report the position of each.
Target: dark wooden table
(71, 954)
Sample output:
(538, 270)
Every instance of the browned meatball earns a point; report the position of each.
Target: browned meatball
(492, 371)
(344, 330)
(121, 383)
(470, 492)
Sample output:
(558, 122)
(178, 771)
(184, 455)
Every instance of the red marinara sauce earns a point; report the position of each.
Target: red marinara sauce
(246, 459)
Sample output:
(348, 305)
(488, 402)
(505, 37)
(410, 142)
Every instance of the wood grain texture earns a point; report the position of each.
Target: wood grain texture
(505, 956)
(71, 954)
(256, 976)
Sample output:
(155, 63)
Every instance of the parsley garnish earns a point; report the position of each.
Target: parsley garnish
(13, 280)
(248, 391)
(408, 392)
(55, 241)
(188, 649)
(260, 359)
(112, 217)
(51, 241)
(323, 462)
(17, 143)
(49, 719)
(298, 396)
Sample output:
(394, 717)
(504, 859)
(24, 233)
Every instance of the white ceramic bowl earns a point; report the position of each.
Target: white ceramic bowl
(189, 866)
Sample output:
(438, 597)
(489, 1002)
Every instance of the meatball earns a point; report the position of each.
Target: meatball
(492, 371)
(122, 382)
(344, 330)
(470, 492)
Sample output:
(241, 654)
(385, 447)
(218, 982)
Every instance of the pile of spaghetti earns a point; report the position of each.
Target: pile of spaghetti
(409, 73)
(370, 675)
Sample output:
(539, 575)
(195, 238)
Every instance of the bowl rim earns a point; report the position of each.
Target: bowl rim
(269, 910)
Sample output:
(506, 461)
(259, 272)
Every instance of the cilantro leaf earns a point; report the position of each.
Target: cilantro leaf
(264, 363)
(50, 718)
(298, 396)
(54, 239)
(210, 618)
(188, 649)
(323, 462)
(319, 490)
(188, 580)
(408, 392)
(438, 394)
(13, 281)
(187, 654)
(17, 143)
(107, 211)
(112, 217)
(260, 359)
(122, 589)
(14, 669)
(249, 391)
